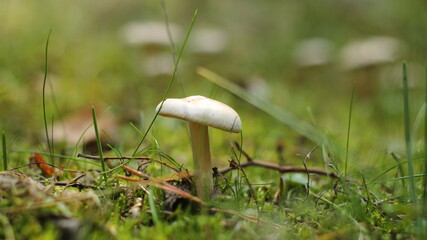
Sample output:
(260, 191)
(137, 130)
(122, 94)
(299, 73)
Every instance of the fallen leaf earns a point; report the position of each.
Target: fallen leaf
(38, 160)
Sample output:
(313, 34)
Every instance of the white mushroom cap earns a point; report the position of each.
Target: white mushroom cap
(202, 110)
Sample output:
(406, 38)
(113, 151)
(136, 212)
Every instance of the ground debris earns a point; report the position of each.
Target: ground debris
(19, 193)
(19, 185)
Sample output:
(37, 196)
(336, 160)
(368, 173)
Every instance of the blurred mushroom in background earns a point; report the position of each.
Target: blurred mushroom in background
(158, 65)
(208, 41)
(77, 128)
(151, 36)
(259, 87)
(207, 45)
(313, 59)
(365, 60)
(313, 52)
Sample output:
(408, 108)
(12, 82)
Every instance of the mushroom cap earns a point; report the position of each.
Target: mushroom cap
(202, 110)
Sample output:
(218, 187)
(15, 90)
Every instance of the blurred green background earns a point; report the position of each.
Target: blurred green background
(261, 49)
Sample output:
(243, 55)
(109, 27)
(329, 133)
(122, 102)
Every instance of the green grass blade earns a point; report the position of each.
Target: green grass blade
(4, 146)
(175, 70)
(75, 148)
(98, 143)
(44, 96)
(425, 149)
(399, 167)
(274, 111)
(399, 178)
(152, 205)
(412, 189)
(348, 131)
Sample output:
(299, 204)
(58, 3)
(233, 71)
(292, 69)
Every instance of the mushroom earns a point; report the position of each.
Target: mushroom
(201, 112)
(151, 35)
(367, 61)
(313, 52)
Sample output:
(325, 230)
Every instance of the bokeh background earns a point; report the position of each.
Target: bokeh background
(303, 56)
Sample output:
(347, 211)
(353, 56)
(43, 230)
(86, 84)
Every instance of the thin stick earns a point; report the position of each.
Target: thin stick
(165, 186)
(277, 167)
(40, 163)
(112, 158)
(306, 169)
(136, 173)
(281, 169)
(128, 158)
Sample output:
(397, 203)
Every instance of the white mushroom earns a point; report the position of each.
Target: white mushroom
(201, 112)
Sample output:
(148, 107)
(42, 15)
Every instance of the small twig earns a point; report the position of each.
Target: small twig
(41, 163)
(277, 167)
(135, 172)
(281, 169)
(128, 158)
(71, 184)
(110, 158)
(165, 186)
(243, 152)
(306, 169)
(237, 165)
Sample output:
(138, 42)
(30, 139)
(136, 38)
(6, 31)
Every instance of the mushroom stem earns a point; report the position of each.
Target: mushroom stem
(202, 160)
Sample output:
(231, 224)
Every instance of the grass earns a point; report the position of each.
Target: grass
(262, 105)
(175, 69)
(4, 150)
(49, 143)
(425, 149)
(382, 184)
(99, 145)
(348, 132)
(412, 191)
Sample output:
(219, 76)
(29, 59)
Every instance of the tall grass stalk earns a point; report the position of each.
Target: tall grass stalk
(412, 189)
(98, 143)
(44, 98)
(425, 149)
(348, 131)
(152, 205)
(274, 111)
(399, 167)
(175, 70)
(4, 147)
